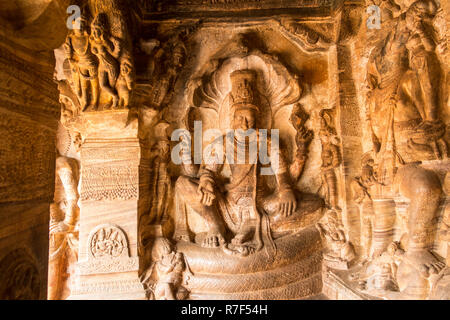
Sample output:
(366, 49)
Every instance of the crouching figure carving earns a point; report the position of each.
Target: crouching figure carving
(167, 273)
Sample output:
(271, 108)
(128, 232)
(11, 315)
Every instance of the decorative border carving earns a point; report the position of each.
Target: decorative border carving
(118, 286)
(110, 182)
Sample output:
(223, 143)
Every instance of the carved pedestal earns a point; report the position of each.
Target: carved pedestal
(294, 273)
(108, 256)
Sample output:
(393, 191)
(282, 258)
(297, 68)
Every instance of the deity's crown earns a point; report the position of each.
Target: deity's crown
(243, 90)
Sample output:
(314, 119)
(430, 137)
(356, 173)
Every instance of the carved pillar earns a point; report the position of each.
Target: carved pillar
(348, 123)
(108, 261)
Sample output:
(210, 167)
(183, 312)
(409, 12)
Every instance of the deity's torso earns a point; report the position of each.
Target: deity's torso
(82, 48)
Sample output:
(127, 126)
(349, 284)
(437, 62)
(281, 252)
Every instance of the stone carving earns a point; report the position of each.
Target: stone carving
(27, 174)
(167, 59)
(403, 79)
(248, 206)
(70, 107)
(64, 215)
(445, 232)
(381, 274)
(108, 252)
(167, 273)
(20, 278)
(340, 252)
(109, 182)
(308, 39)
(125, 81)
(119, 287)
(161, 187)
(222, 228)
(244, 216)
(331, 159)
(159, 5)
(361, 187)
(101, 60)
(303, 138)
(107, 241)
(408, 87)
(190, 168)
(107, 50)
(84, 65)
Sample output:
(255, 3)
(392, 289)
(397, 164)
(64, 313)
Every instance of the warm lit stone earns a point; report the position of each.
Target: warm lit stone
(158, 190)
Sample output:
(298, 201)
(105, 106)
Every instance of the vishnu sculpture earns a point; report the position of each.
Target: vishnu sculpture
(245, 206)
(240, 208)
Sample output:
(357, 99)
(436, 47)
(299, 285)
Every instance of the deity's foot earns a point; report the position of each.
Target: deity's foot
(243, 235)
(212, 240)
(424, 261)
(182, 236)
(416, 272)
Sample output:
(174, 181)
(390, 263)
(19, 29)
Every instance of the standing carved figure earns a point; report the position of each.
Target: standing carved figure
(161, 188)
(83, 65)
(125, 81)
(361, 187)
(403, 108)
(303, 138)
(424, 65)
(169, 60)
(331, 159)
(189, 167)
(107, 49)
(422, 57)
(64, 214)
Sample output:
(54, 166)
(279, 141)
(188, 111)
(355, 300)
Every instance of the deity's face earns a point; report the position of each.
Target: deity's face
(244, 119)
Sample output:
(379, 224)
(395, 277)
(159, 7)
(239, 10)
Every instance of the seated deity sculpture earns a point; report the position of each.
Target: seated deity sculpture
(243, 214)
